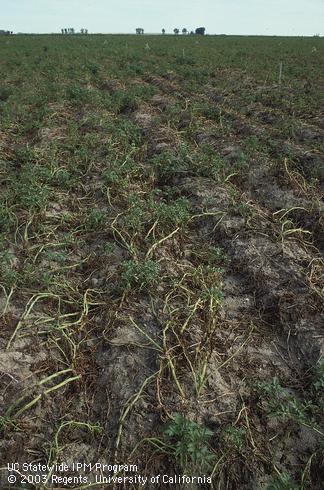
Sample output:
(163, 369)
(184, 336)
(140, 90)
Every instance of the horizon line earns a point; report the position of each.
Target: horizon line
(158, 34)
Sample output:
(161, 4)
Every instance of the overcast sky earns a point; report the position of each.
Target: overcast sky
(280, 17)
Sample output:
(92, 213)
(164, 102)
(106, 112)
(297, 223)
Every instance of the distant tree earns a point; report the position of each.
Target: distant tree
(192, 33)
(62, 31)
(176, 31)
(184, 31)
(200, 31)
(163, 31)
(139, 30)
(86, 31)
(65, 31)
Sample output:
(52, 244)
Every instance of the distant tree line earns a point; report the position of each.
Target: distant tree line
(71, 30)
(200, 31)
(68, 30)
(5, 33)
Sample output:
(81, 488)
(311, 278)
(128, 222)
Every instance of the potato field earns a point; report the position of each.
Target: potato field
(161, 262)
